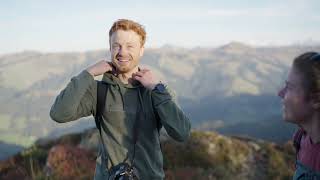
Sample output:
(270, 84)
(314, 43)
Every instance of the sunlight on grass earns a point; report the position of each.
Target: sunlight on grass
(17, 139)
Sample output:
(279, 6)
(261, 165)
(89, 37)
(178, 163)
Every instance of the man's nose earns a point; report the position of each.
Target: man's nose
(122, 51)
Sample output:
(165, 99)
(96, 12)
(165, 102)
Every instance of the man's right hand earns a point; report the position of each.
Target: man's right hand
(99, 68)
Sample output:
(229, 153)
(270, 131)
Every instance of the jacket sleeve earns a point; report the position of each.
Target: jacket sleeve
(77, 100)
(173, 119)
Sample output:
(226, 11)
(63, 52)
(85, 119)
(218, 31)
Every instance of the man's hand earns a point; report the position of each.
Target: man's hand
(146, 78)
(100, 68)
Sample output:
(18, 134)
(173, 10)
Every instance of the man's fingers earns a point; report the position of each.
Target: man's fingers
(138, 78)
(136, 75)
(139, 73)
(110, 64)
(144, 70)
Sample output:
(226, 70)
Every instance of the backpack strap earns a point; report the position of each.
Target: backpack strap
(297, 141)
(155, 114)
(102, 90)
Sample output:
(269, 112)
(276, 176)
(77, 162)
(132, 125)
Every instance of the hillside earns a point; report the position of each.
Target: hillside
(228, 85)
(206, 155)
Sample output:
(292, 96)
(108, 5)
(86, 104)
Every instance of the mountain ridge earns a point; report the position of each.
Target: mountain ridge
(211, 85)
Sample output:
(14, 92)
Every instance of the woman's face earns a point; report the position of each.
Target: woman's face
(296, 107)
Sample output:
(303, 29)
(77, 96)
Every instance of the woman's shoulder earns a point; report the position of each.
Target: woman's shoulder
(309, 153)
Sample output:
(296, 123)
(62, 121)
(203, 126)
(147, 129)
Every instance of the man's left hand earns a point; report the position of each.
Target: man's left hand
(146, 78)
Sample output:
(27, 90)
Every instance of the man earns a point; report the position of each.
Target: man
(131, 91)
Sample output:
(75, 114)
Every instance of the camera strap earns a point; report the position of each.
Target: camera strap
(136, 124)
(102, 90)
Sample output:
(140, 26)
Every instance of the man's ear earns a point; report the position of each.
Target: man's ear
(315, 100)
(141, 51)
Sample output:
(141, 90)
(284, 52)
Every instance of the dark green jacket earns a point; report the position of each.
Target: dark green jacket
(79, 99)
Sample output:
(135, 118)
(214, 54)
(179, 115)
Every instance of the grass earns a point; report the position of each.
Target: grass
(11, 131)
(17, 139)
(4, 121)
(34, 159)
(20, 123)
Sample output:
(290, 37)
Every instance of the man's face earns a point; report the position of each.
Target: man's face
(295, 105)
(126, 50)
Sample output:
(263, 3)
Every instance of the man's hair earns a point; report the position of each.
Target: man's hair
(125, 24)
(308, 64)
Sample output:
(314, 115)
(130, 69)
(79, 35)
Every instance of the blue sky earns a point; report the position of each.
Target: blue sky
(72, 25)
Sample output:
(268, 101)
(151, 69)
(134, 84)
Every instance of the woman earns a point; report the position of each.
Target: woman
(301, 106)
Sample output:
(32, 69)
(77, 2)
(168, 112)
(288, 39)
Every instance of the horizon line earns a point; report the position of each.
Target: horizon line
(167, 45)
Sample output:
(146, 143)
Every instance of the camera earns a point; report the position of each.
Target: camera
(123, 171)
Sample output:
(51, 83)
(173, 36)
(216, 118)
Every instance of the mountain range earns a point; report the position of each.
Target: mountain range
(231, 89)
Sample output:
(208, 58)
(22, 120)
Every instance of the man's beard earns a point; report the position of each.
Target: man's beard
(124, 68)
